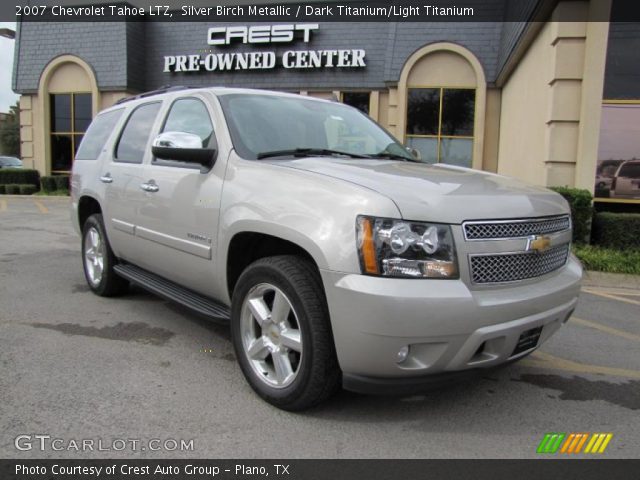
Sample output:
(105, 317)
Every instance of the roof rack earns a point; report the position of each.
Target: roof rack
(165, 89)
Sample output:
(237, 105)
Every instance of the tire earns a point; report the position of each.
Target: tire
(292, 284)
(98, 259)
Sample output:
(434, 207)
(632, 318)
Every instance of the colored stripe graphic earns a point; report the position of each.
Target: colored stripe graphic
(581, 443)
(567, 443)
(598, 443)
(551, 442)
(574, 442)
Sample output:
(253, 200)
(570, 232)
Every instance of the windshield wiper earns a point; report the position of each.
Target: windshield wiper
(393, 156)
(303, 152)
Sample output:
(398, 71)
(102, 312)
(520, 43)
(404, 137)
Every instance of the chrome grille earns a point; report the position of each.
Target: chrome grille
(510, 267)
(490, 230)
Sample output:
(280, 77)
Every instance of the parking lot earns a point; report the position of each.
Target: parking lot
(76, 366)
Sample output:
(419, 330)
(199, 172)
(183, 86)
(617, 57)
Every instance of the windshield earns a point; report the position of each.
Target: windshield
(264, 126)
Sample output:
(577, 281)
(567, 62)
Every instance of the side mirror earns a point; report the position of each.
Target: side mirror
(183, 147)
(415, 153)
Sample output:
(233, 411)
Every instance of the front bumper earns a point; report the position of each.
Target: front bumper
(449, 327)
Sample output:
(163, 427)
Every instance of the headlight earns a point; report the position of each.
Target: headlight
(397, 248)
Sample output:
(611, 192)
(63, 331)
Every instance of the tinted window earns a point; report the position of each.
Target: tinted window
(61, 113)
(440, 124)
(81, 111)
(70, 117)
(97, 135)
(458, 107)
(189, 115)
(630, 170)
(61, 152)
(423, 111)
(135, 136)
(359, 100)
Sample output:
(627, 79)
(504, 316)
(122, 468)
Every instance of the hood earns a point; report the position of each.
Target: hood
(439, 193)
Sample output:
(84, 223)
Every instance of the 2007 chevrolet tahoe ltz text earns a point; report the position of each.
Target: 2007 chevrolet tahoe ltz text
(336, 255)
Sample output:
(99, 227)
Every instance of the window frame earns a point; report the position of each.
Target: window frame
(160, 162)
(114, 157)
(439, 136)
(342, 92)
(73, 134)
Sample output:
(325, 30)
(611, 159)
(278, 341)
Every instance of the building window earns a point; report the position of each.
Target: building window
(359, 100)
(440, 124)
(70, 118)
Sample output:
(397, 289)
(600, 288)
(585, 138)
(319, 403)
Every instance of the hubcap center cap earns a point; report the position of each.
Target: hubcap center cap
(273, 333)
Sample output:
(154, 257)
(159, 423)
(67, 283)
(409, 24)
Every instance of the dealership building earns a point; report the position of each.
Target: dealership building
(547, 100)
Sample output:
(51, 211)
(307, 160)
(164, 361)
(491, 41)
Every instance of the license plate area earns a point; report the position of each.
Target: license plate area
(528, 340)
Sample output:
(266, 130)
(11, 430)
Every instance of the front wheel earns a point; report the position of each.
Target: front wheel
(281, 333)
(98, 259)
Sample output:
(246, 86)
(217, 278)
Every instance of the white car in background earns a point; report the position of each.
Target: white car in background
(10, 162)
(626, 182)
(605, 172)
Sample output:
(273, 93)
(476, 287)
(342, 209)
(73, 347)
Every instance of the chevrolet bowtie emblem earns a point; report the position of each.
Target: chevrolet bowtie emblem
(539, 243)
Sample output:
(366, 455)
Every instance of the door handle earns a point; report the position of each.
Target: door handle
(150, 186)
(106, 178)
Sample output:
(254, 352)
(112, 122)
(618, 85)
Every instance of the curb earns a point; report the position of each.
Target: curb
(610, 280)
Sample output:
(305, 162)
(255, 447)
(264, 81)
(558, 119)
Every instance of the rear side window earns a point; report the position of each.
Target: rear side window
(135, 136)
(97, 135)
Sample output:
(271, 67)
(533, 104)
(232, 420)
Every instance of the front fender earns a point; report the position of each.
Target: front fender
(316, 212)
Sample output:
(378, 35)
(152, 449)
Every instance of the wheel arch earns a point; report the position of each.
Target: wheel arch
(87, 206)
(247, 246)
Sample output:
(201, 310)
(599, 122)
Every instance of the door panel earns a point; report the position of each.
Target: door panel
(178, 220)
(123, 176)
(123, 201)
(177, 225)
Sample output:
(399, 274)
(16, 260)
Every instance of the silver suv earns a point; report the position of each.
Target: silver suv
(337, 258)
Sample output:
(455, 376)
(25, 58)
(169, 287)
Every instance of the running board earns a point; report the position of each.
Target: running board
(172, 291)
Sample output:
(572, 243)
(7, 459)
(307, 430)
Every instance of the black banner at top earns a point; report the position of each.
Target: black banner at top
(316, 11)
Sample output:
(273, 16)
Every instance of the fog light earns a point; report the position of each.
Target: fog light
(402, 355)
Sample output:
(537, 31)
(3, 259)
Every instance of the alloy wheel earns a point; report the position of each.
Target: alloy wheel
(94, 253)
(271, 336)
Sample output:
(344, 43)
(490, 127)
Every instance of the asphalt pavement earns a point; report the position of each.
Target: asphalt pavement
(89, 371)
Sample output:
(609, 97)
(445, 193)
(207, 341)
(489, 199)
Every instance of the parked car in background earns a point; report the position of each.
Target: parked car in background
(626, 183)
(10, 162)
(605, 172)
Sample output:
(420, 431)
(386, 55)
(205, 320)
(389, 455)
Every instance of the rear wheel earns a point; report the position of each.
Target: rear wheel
(281, 333)
(98, 259)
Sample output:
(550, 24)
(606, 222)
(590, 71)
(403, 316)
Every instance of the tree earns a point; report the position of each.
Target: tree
(10, 133)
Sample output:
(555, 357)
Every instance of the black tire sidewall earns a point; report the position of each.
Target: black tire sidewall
(105, 285)
(262, 273)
